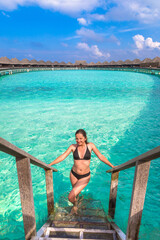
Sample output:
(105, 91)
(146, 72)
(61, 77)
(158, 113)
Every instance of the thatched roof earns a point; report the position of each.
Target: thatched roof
(112, 63)
(80, 62)
(25, 61)
(127, 61)
(91, 63)
(120, 62)
(105, 63)
(156, 59)
(136, 61)
(147, 60)
(41, 62)
(98, 63)
(33, 62)
(49, 63)
(62, 63)
(69, 63)
(5, 60)
(55, 63)
(15, 61)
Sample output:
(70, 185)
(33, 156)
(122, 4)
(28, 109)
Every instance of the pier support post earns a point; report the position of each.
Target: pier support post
(113, 194)
(137, 201)
(26, 195)
(49, 190)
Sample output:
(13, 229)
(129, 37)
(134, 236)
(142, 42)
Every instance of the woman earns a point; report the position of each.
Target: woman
(80, 172)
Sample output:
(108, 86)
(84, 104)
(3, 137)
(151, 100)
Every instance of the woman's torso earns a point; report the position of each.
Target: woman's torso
(81, 160)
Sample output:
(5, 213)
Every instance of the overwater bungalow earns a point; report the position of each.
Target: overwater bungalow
(25, 63)
(5, 62)
(147, 62)
(49, 64)
(34, 63)
(156, 61)
(105, 63)
(69, 65)
(99, 64)
(119, 63)
(56, 64)
(62, 64)
(80, 63)
(112, 64)
(42, 63)
(16, 62)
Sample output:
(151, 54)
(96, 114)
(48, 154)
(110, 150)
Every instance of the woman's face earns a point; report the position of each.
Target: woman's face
(80, 139)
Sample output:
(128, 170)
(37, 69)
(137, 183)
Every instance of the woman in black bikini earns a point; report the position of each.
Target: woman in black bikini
(80, 172)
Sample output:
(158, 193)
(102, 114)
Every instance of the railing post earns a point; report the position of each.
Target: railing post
(137, 201)
(49, 190)
(113, 194)
(26, 194)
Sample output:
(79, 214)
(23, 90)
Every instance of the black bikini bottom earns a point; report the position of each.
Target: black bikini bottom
(80, 176)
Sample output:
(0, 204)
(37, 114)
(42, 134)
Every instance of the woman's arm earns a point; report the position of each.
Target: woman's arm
(100, 156)
(63, 156)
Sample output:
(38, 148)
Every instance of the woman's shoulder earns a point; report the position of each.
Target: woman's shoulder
(90, 145)
(73, 146)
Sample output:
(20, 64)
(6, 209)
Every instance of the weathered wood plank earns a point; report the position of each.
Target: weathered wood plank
(145, 157)
(49, 190)
(41, 232)
(11, 149)
(52, 238)
(70, 230)
(26, 195)
(137, 201)
(120, 234)
(113, 194)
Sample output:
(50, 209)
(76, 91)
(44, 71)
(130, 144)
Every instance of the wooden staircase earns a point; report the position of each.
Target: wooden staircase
(90, 223)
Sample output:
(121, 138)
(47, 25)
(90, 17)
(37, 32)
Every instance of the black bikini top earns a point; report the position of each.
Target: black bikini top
(87, 155)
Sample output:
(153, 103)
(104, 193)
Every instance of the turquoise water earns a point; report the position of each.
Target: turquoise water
(40, 112)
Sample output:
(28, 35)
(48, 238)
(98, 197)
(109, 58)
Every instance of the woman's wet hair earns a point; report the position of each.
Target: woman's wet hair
(83, 133)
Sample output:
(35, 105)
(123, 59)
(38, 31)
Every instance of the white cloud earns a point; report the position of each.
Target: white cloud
(149, 43)
(143, 11)
(66, 6)
(89, 34)
(94, 50)
(142, 43)
(82, 21)
(139, 41)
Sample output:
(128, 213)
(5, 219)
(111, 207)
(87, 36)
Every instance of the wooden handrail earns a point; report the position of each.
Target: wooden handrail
(142, 165)
(145, 157)
(11, 149)
(23, 161)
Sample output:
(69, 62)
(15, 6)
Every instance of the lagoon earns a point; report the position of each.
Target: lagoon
(40, 112)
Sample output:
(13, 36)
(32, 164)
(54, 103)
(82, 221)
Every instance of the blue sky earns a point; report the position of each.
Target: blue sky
(91, 30)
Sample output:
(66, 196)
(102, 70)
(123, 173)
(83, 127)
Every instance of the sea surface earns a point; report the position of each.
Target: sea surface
(40, 112)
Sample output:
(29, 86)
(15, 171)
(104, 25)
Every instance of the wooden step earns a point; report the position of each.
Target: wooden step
(44, 238)
(76, 233)
(84, 224)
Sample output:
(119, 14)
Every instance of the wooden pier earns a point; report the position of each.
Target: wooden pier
(91, 221)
